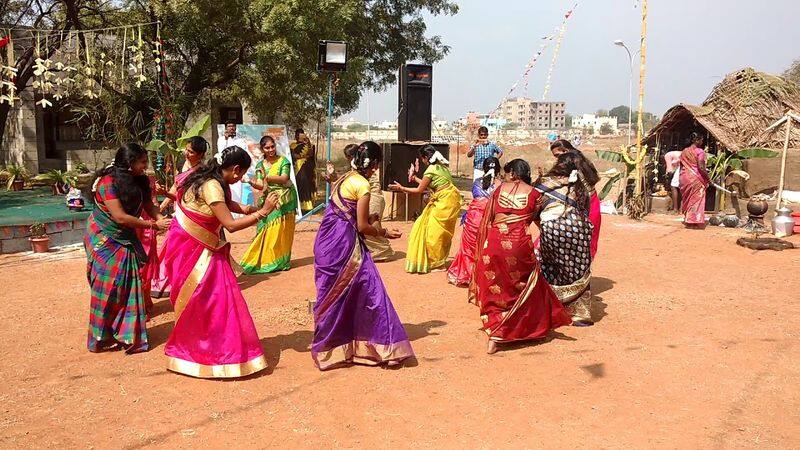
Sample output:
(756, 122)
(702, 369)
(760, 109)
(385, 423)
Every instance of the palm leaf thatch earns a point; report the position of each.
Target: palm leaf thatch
(738, 110)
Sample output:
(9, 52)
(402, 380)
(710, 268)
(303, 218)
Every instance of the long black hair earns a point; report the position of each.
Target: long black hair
(231, 156)
(350, 151)
(131, 190)
(428, 151)
(489, 164)
(367, 156)
(587, 179)
(563, 143)
(520, 168)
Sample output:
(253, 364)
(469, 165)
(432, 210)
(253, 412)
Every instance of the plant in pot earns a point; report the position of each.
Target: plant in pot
(40, 241)
(16, 176)
(59, 180)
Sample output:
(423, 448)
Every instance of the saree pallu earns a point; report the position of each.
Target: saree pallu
(460, 271)
(515, 301)
(214, 335)
(159, 285)
(378, 246)
(117, 311)
(596, 218)
(693, 186)
(148, 238)
(271, 249)
(432, 233)
(565, 252)
(354, 320)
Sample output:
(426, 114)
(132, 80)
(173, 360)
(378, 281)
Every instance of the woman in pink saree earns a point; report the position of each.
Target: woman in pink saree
(194, 152)
(214, 335)
(694, 182)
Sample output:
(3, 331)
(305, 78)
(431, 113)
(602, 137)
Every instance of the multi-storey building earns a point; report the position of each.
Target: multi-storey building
(534, 115)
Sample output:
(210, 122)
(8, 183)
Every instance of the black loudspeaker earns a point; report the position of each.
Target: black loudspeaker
(398, 157)
(414, 103)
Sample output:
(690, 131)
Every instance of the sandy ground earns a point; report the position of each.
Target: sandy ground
(694, 348)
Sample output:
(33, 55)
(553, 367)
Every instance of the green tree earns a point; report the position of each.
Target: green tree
(601, 113)
(264, 53)
(606, 129)
(568, 121)
(357, 127)
(620, 112)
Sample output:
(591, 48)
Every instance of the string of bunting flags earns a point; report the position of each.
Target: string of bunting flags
(545, 42)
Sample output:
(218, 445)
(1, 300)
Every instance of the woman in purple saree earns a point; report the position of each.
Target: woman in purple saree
(354, 320)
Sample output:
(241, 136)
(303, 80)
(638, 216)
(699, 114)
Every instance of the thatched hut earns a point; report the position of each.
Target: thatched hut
(734, 117)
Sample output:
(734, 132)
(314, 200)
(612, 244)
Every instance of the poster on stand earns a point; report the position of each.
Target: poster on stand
(251, 135)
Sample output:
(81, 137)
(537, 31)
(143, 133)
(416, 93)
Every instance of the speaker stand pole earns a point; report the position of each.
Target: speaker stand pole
(308, 216)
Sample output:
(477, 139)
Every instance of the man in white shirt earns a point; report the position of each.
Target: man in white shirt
(230, 139)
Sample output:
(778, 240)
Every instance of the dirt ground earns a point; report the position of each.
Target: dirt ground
(694, 347)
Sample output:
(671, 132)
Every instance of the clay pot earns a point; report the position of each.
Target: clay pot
(757, 207)
(17, 185)
(714, 221)
(40, 244)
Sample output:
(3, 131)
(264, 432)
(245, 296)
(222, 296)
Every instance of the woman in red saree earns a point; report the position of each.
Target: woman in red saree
(694, 182)
(214, 334)
(515, 300)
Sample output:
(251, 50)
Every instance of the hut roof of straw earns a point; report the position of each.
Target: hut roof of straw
(739, 109)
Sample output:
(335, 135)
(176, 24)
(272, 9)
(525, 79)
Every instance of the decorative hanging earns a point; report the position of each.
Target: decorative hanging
(8, 72)
(561, 32)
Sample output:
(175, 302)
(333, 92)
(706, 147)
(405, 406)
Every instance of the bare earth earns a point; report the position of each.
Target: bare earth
(696, 347)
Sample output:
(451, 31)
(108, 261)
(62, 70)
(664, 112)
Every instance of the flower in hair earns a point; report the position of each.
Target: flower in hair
(218, 157)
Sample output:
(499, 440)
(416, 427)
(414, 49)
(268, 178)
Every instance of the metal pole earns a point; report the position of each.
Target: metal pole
(328, 137)
(783, 160)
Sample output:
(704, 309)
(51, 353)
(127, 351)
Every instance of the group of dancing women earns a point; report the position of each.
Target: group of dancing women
(523, 285)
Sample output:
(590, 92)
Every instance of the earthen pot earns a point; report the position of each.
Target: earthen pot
(757, 207)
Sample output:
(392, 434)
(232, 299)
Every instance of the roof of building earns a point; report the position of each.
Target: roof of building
(739, 110)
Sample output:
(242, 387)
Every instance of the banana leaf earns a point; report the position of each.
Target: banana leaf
(607, 187)
(615, 157)
(198, 129)
(757, 153)
(156, 145)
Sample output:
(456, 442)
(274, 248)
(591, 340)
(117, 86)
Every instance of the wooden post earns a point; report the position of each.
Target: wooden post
(783, 160)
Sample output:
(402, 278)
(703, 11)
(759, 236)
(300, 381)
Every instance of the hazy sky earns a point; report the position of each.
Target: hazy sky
(691, 45)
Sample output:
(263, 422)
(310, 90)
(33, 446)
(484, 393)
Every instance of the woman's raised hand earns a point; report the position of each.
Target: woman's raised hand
(393, 233)
(163, 223)
(270, 201)
(396, 187)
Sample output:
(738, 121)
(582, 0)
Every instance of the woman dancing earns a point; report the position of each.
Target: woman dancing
(515, 300)
(693, 183)
(195, 152)
(214, 335)
(378, 245)
(115, 255)
(460, 271)
(354, 320)
(562, 146)
(432, 233)
(271, 250)
(566, 232)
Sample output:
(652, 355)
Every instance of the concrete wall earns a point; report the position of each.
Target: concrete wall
(14, 239)
(764, 173)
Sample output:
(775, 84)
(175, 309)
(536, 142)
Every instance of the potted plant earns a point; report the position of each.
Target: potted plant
(40, 241)
(16, 176)
(59, 180)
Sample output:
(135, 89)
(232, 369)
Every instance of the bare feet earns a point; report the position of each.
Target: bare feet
(491, 347)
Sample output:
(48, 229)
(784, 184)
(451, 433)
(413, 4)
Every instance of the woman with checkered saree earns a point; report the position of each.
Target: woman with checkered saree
(214, 335)
(115, 255)
(432, 234)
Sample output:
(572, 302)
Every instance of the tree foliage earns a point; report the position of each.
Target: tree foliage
(606, 129)
(620, 112)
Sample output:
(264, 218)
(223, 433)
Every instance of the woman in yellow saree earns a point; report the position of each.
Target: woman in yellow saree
(432, 233)
(271, 250)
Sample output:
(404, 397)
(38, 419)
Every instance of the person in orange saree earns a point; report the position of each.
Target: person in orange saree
(515, 301)
(214, 335)
(693, 183)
